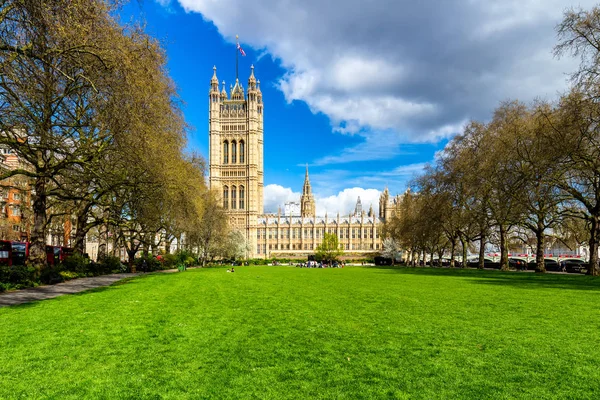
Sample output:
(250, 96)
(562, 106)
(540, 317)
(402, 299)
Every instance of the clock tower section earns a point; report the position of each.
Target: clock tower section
(236, 153)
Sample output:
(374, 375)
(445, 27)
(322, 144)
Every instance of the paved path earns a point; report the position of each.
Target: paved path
(51, 291)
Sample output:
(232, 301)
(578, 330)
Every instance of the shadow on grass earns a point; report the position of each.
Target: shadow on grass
(33, 297)
(522, 280)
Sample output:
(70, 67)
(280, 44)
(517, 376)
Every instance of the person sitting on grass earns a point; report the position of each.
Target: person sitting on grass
(232, 269)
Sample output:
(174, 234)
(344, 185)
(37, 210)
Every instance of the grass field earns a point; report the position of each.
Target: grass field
(283, 332)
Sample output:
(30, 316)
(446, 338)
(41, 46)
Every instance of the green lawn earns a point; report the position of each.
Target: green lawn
(283, 332)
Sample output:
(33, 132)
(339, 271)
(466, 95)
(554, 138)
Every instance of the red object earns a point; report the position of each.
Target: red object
(5, 252)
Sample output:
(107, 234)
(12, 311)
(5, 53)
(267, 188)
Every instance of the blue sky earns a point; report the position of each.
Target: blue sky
(365, 93)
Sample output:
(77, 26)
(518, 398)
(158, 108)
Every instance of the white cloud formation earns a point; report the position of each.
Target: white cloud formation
(276, 196)
(415, 69)
(345, 201)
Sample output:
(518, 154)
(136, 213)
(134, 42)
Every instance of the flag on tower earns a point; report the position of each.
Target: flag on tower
(242, 52)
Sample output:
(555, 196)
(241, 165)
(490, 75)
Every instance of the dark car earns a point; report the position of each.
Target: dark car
(550, 264)
(574, 265)
(517, 263)
(487, 263)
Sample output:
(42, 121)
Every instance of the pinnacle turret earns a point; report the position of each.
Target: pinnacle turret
(214, 81)
(307, 201)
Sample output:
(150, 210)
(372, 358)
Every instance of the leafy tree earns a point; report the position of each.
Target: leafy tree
(576, 136)
(329, 250)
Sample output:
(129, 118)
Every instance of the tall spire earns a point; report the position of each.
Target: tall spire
(306, 189)
(307, 201)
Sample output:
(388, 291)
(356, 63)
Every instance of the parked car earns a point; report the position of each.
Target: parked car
(549, 264)
(574, 265)
(487, 263)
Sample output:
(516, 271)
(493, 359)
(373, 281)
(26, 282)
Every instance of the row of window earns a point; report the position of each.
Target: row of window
(344, 233)
(234, 152)
(231, 128)
(238, 197)
(262, 248)
(4, 195)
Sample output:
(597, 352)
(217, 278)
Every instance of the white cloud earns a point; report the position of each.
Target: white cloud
(345, 201)
(413, 69)
(276, 196)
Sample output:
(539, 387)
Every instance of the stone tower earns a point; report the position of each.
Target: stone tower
(236, 151)
(307, 201)
(358, 208)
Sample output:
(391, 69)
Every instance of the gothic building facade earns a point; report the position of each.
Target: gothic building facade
(236, 174)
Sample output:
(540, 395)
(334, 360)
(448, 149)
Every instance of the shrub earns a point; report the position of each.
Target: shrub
(185, 257)
(51, 275)
(76, 263)
(109, 265)
(169, 261)
(19, 276)
(189, 261)
(147, 263)
(66, 275)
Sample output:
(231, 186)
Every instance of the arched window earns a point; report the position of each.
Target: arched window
(226, 152)
(233, 152)
(225, 197)
(242, 195)
(242, 152)
(233, 197)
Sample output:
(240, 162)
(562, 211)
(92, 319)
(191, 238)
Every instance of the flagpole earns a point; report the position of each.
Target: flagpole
(237, 43)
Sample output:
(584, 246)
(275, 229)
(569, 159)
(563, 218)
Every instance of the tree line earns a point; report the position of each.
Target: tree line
(531, 173)
(88, 106)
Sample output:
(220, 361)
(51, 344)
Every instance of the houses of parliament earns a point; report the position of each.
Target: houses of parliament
(236, 173)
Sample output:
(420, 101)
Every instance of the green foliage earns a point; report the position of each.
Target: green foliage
(169, 261)
(110, 264)
(147, 263)
(52, 275)
(18, 276)
(329, 250)
(186, 257)
(76, 263)
(67, 275)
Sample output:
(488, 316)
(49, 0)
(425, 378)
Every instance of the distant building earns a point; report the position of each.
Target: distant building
(236, 173)
(15, 200)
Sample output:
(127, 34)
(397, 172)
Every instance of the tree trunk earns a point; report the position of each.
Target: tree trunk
(431, 257)
(503, 249)
(452, 249)
(80, 232)
(37, 249)
(539, 252)
(464, 251)
(131, 258)
(593, 269)
(481, 251)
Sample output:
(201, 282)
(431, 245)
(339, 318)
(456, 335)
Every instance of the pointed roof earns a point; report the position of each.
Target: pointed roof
(252, 78)
(214, 77)
(237, 92)
(223, 92)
